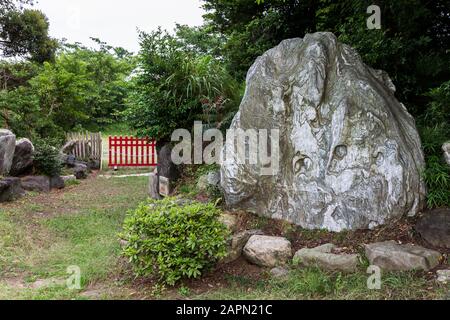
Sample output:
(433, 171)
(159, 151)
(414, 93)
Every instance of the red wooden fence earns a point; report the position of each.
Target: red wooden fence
(132, 152)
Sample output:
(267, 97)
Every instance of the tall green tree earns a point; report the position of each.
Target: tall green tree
(176, 85)
(24, 32)
(82, 88)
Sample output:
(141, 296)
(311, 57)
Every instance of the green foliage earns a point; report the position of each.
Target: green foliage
(174, 241)
(46, 157)
(435, 131)
(412, 45)
(83, 88)
(176, 86)
(25, 33)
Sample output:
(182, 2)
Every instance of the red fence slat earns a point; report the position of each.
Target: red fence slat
(132, 152)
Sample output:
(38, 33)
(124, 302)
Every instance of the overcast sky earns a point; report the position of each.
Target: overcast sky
(115, 21)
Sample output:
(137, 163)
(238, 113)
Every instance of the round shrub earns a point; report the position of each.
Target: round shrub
(46, 158)
(172, 240)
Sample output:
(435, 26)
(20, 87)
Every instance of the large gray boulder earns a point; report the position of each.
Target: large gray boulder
(391, 256)
(7, 147)
(23, 157)
(350, 155)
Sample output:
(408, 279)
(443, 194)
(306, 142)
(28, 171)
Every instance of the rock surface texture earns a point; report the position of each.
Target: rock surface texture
(7, 147)
(268, 251)
(349, 153)
(446, 149)
(10, 189)
(23, 157)
(324, 258)
(36, 183)
(434, 228)
(391, 256)
(237, 243)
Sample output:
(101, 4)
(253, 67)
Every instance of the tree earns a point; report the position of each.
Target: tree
(412, 45)
(177, 85)
(24, 32)
(82, 88)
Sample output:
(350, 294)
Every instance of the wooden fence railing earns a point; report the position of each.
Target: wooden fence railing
(88, 146)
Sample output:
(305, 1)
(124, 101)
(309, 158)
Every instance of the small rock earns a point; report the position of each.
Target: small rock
(230, 221)
(36, 183)
(10, 189)
(48, 283)
(153, 186)
(323, 258)
(434, 228)
(214, 178)
(57, 182)
(279, 273)
(443, 276)
(81, 171)
(268, 251)
(211, 179)
(69, 178)
(237, 243)
(23, 158)
(391, 256)
(93, 164)
(166, 167)
(446, 149)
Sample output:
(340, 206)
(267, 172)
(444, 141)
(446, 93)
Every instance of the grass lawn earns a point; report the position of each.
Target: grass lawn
(42, 235)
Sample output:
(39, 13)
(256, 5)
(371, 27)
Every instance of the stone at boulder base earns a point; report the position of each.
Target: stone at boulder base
(69, 178)
(23, 158)
(36, 183)
(10, 189)
(57, 182)
(391, 256)
(434, 228)
(270, 252)
(166, 168)
(279, 273)
(81, 171)
(446, 149)
(443, 276)
(211, 179)
(7, 148)
(323, 258)
(153, 186)
(94, 164)
(350, 156)
(236, 244)
(230, 221)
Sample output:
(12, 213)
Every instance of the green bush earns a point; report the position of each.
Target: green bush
(46, 158)
(172, 241)
(435, 131)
